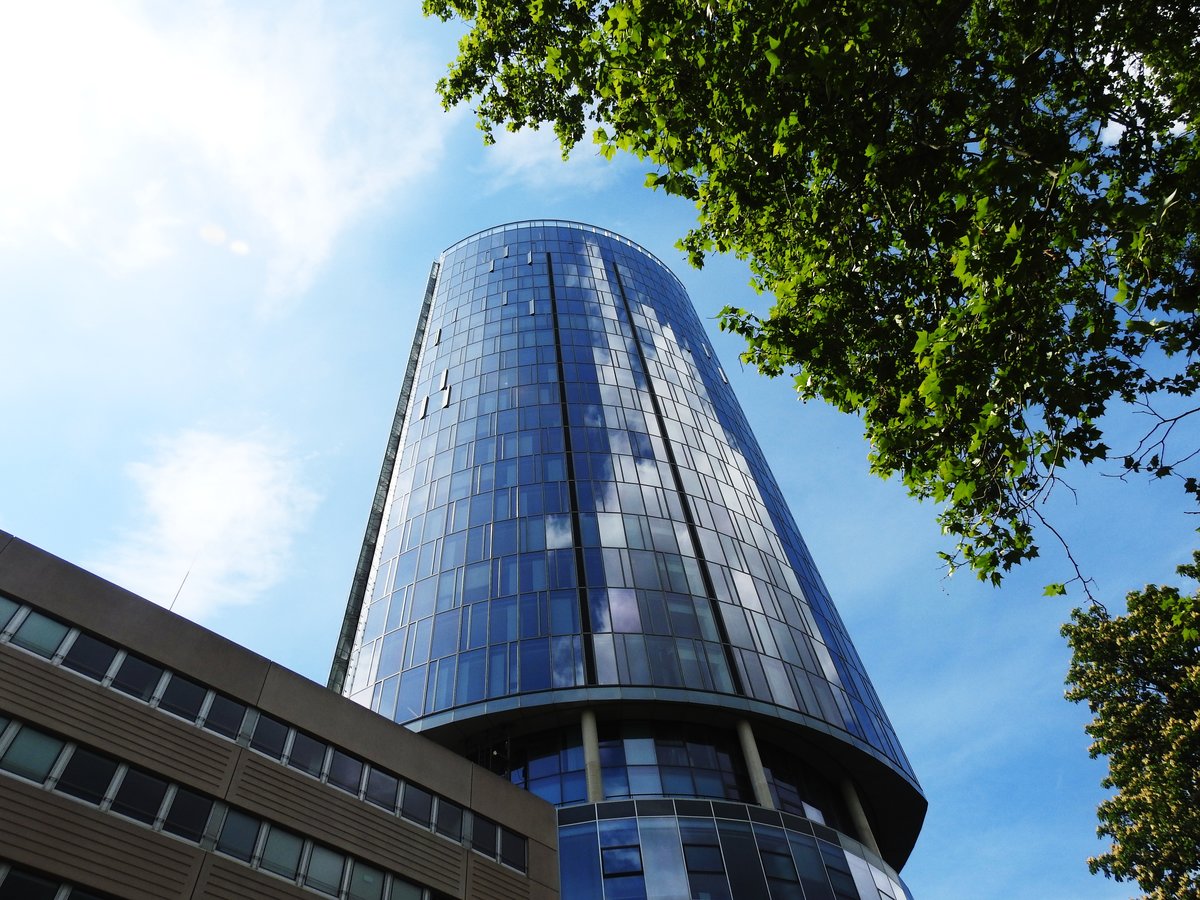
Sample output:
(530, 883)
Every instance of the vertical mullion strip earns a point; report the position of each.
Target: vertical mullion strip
(585, 618)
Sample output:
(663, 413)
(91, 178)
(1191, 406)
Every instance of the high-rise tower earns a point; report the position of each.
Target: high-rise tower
(580, 572)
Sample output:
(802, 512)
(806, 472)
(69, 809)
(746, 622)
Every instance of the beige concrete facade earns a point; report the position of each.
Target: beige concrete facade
(58, 835)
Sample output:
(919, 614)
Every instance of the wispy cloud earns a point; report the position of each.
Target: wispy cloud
(219, 511)
(129, 129)
(533, 158)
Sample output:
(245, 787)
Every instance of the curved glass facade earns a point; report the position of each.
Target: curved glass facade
(717, 851)
(577, 517)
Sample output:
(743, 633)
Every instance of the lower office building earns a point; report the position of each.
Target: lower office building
(143, 757)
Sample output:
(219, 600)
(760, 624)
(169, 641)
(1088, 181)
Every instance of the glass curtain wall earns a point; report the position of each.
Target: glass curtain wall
(578, 516)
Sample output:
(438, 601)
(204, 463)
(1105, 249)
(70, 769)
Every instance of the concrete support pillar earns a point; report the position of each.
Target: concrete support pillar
(591, 756)
(858, 815)
(758, 778)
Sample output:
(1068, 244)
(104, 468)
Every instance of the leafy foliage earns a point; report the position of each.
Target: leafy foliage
(977, 217)
(1140, 676)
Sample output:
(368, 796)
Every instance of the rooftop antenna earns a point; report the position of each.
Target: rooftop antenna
(171, 608)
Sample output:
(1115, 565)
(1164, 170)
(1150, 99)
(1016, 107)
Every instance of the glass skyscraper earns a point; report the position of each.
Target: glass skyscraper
(580, 573)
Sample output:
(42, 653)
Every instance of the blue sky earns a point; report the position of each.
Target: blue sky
(216, 221)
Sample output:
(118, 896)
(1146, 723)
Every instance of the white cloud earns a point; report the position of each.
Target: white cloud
(218, 511)
(533, 158)
(213, 234)
(1111, 132)
(284, 126)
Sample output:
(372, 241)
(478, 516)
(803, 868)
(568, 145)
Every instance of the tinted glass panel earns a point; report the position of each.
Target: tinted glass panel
(269, 736)
(20, 885)
(7, 608)
(307, 754)
(324, 870)
(712, 886)
(140, 796)
(449, 819)
(183, 697)
(512, 849)
(579, 857)
(40, 634)
(703, 858)
(225, 716)
(621, 860)
(87, 775)
(90, 656)
(404, 890)
(238, 835)
(382, 789)
(626, 887)
(366, 883)
(281, 854)
(483, 836)
(78, 893)
(189, 814)
(742, 863)
(31, 754)
(418, 804)
(345, 771)
(137, 677)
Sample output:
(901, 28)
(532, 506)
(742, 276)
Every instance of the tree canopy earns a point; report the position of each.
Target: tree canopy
(1140, 675)
(976, 218)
